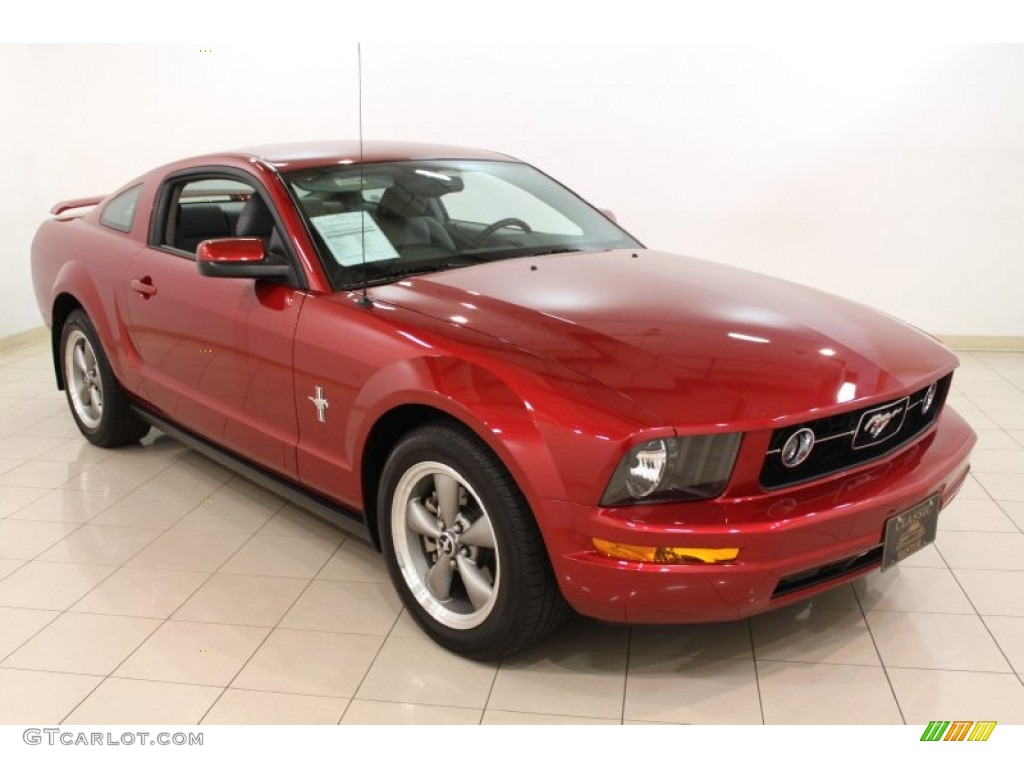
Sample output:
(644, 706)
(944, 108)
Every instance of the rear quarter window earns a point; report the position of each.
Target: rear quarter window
(119, 213)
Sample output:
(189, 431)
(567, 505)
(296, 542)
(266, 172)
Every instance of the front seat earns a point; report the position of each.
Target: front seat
(407, 220)
(198, 222)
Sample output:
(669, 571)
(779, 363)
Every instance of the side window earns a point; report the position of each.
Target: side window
(210, 208)
(119, 213)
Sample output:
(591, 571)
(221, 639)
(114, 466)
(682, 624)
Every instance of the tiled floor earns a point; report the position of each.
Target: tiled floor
(148, 585)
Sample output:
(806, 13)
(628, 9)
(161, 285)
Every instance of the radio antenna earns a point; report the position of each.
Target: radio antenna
(364, 300)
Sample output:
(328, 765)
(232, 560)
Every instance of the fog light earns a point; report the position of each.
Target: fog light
(929, 398)
(675, 555)
(797, 448)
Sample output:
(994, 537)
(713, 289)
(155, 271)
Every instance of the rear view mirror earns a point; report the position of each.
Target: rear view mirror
(238, 257)
(608, 214)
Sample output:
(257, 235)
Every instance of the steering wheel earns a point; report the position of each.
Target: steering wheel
(500, 224)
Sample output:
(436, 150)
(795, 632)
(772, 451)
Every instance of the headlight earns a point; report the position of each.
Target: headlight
(674, 469)
(646, 469)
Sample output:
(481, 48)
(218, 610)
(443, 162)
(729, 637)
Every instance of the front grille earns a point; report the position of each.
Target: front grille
(842, 441)
(797, 581)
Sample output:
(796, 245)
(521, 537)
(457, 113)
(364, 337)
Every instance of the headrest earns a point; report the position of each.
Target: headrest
(399, 201)
(255, 219)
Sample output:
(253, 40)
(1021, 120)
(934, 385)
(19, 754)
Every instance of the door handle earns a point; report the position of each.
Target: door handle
(144, 287)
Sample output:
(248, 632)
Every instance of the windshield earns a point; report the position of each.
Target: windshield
(398, 219)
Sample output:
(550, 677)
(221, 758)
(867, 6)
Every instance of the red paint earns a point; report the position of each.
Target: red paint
(559, 363)
(79, 202)
(235, 250)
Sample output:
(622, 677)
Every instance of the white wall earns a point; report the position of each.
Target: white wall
(19, 212)
(892, 176)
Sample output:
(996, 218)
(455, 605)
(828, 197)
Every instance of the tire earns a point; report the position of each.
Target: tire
(98, 405)
(462, 547)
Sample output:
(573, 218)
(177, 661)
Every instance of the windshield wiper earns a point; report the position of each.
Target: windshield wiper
(522, 252)
(553, 250)
(454, 262)
(415, 269)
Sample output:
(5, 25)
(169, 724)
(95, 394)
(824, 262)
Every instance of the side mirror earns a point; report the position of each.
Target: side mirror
(238, 257)
(610, 215)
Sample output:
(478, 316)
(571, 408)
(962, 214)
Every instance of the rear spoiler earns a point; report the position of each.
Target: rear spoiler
(81, 202)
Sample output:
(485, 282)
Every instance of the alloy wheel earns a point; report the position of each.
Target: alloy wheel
(445, 545)
(82, 378)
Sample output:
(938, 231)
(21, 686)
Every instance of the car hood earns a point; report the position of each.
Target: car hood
(702, 345)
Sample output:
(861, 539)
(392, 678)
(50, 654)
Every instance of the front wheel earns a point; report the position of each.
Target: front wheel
(462, 547)
(98, 404)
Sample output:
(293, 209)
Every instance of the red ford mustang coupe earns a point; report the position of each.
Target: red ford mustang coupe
(453, 355)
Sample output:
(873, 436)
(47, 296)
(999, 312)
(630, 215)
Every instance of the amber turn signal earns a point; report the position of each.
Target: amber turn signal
(672, 555)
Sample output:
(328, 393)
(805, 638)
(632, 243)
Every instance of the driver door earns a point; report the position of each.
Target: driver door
(215, 354)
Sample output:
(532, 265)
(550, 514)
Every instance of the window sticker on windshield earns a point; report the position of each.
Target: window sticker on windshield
(346, 234)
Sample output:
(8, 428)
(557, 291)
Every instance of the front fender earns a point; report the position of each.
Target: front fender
(467, 393)
(559, 434)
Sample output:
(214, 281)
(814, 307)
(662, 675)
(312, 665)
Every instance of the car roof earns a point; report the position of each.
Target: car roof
(299, 155)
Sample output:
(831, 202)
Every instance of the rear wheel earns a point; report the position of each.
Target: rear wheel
(462, 547)
(98, 404)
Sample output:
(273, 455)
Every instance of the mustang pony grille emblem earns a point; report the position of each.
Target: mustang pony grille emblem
(880, 421)
(879, 424)
(318, 399)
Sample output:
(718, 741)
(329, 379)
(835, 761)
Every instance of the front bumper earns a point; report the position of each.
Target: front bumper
(784, 537)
